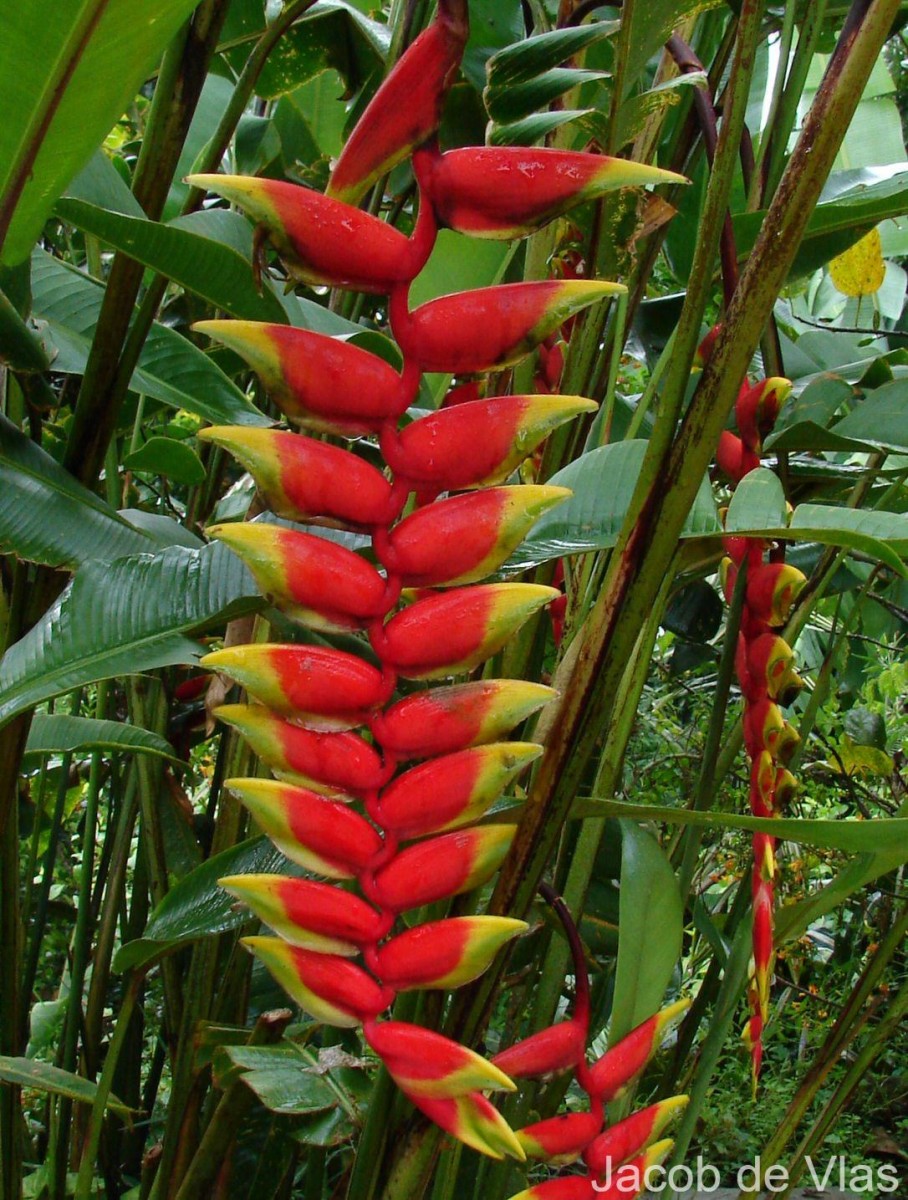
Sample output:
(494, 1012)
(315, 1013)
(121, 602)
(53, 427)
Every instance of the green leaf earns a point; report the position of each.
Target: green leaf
(880, 535)
(603, 482)
(184, 252)
(650, 926)
(42, 1077)
(284, 1078)
(68, 69)
(124, 617)
(881, 419)
(834, 225)
(19, 347)
(645, 27)
(535, 55)
(511, 103)
(197, 907)
(46, 516)
(58, 733)
(168, 457)
(171, 369)
(852, 837)
(532, 129)
(758, 503)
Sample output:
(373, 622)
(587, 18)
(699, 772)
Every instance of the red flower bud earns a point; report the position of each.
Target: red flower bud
(622, 1063)
(465, 538)
(454, 632)
(560, 1139)
(490, 327)
(333, 762)
(770, 661)
(321, 835)
(510, 191)
(322, 241)
(567, 1187)
(318, 582)
(444, 954)
(428, 1064)
(316, 380)
(329, 988)
(454, 790)
(442, 867)
(766, 729)
(473, 1120)
(626, 1139)
(733, 458)
(316, 916)
(301, 478)
(446, 719)
(544, 1053)
(404, 111)
(757, 408)
(316, 686)
(477, 444)
(772, 590)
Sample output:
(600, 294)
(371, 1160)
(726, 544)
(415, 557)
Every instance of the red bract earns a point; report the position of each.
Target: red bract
(300, 478)
(316, 380)
(441, 867)
(444, 954)
(491, 327)
(544, 1053)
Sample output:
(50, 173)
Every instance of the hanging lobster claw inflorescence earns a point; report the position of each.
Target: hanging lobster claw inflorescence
(339, 807)
(765, 670)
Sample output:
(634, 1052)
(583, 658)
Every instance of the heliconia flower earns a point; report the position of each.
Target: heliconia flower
(446, 719)
(764, 851)
(322, 241)
(553, 1049)
(455, 631)
(444, 954)
(763, 785)
(766, 729)
(465, 538)
(453, 790)
(490, 327)
(329, 988)
(473, 1120)
(733, 458)
(763, 946)
(786, 787)
(629, 1180)
(321, 835)
(301, 478)
(425, 1063)
(442, 867)
(511, 191)
(310, 578)
(752, 1037)
(316, 380)
(315, 685)
(315, 916)
(771, 661)
(404, 111)
(567, 1187)
(477, 444)
(772, 590)
(333, 762)
(632, 1135)
(622, 1063)
(705, 349)
(757, 408)
(560, 1139)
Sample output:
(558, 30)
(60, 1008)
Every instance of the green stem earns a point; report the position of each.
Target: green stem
(84, 1182)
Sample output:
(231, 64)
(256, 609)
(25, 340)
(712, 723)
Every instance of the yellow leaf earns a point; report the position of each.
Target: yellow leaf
(860, 270)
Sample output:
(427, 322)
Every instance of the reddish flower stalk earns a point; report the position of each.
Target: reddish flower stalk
(764, 666)
(340, 807)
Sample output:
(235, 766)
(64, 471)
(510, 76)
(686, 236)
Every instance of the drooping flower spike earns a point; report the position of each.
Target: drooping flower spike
(764, 665)
(329, 723)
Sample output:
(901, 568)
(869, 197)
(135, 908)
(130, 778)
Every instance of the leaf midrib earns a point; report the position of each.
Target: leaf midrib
(42, 114)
